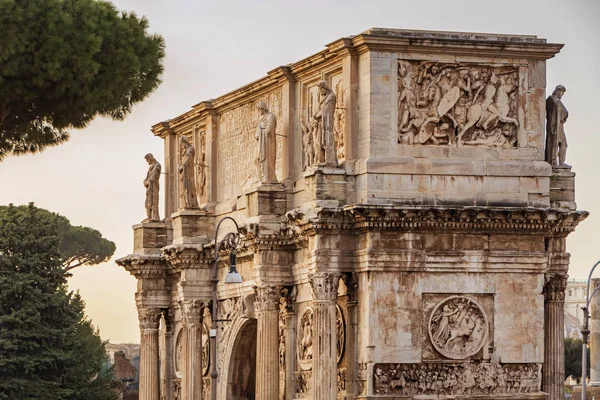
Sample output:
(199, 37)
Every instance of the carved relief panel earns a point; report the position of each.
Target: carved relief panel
(455, 379)
(201, 165)
(238, 147)
(457, 327)
(339, 122)
(457, 104)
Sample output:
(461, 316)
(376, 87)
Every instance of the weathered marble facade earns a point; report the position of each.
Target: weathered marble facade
(428, 259)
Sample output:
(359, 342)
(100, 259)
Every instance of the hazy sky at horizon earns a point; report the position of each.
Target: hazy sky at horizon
(214, 47)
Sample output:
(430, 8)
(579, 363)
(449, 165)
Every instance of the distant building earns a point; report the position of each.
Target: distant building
(126, 361)
(574, 301)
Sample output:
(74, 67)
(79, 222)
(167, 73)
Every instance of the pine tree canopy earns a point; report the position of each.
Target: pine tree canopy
(64, 62)
(48, 349)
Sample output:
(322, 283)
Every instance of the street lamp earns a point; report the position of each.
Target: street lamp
(586, 331)
(232, 239)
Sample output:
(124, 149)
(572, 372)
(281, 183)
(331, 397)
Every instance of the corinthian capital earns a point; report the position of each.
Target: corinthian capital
(555, 287)
(267, 298)
(191, 310)
(324, 285)
(149, 317)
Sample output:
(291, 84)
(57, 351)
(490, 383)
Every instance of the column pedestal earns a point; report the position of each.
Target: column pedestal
(324, 370)
(149, 370)
(553, 371)
(267, 345)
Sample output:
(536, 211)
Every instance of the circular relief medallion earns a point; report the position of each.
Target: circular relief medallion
(458, 327)
(178, 351)
(305, 341)
(205, 350)
(341, 332)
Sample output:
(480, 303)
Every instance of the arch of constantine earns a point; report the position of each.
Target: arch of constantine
(403, 201)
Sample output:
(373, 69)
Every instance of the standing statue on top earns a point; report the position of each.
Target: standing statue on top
(267, 143)
(187, 179)
(151, 183)
(556, 140)
(326, 154)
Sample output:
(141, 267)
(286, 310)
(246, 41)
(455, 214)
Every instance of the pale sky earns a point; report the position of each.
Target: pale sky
(214, 47)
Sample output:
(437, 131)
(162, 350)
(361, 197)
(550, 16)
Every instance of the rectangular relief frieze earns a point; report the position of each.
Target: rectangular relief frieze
(457, 104)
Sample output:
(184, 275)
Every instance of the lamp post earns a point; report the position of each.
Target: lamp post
(586, 332)
(233, 240)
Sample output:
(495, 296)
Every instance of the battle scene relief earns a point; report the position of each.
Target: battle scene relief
(452, 104)
(455, 379)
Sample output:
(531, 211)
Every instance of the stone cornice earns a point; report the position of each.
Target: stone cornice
(144, 266)
(186, 256)
(456, 43)
(483, 219)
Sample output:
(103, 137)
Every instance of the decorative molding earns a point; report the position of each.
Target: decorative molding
(267, 298)
(287, 301)
(555, 287)
(324, 285)
(149, 318)
(144, 266)
(193, 310)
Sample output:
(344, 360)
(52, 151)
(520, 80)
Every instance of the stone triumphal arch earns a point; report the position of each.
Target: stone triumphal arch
(403, 202)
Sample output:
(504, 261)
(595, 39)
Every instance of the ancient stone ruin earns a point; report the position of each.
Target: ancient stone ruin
(403, 207)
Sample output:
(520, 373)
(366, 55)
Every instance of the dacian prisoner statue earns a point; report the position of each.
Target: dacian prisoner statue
(151, 183)
(187, 181)
(267, 141)
(556, 140)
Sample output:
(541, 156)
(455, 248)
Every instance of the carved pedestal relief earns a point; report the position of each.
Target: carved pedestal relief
(458, 327)
(455, 379)
(452, 104)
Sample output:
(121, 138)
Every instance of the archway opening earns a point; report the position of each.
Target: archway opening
(241, 384)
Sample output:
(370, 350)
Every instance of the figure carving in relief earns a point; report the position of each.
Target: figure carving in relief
(455, 379)
(187, 179)
(202, 166)
(341, 333)
(267, 143)
(151, 183)
(305, 340)
(339, 124)
(456, 104)
(205, 350)
(458, 327)
(556, 140)
(309, 138)
(325, 118)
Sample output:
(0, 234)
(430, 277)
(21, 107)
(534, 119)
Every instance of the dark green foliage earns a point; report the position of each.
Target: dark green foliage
(63, 62)
(573, 359)
(48, 350)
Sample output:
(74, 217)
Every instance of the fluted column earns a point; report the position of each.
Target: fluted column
(324, 372)
(166, 357)
(149, 374)
(191, 380)
(267, 344)
(594, 334)
(289, 315)
(554, 325)
(351, 281)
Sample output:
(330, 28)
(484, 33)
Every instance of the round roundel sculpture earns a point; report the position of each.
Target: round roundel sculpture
(458, 327)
